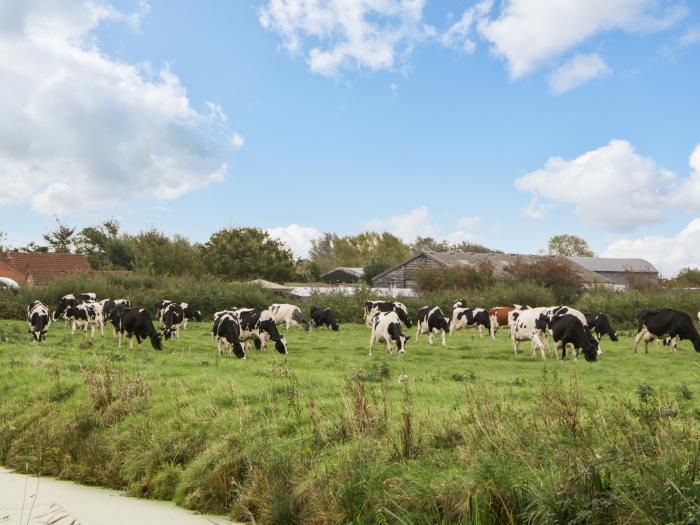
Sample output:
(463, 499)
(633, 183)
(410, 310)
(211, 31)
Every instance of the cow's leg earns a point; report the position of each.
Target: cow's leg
(452, 326)
(481, 330)
(218, 346)
(131, 341)
(431, 338)
(389, 348)
(515, 342)
(560, 348)
(444, 343)
(674, 344)
(418, 327)
(72, 327)
(371, 342)
(638, 337)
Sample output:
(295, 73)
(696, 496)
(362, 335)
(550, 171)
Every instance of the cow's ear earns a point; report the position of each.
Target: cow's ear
(408, 337)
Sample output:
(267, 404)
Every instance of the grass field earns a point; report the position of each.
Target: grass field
(471, 434)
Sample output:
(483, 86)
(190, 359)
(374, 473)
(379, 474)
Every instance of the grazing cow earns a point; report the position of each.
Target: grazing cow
(289, 314)
(109, 306)
(39, 320)
(64, 303)
(529, 325)
(372, 308)
(227, 331)
(499, 315)
(173, 317)
(470, 318)
(87, 314)
(190, 314)
(259, 326)
(567, 330)
(386, 326)
(431, 320)
(659, 324)
(137, 322)
(600, 326)
(323, 317)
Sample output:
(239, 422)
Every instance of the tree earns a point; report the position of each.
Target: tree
(686, 278)
(247, 253)
(433, 245)
(162, 255)
(331, 250)
(306, 271)
(567, 245)
(105, 248)
(62, 239)
(372, 269)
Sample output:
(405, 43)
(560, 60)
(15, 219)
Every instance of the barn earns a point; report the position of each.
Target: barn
(620, 272)
(405, 274)
(27, 269)
(342, 275)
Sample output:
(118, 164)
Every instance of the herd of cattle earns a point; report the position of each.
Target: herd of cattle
(235, 329)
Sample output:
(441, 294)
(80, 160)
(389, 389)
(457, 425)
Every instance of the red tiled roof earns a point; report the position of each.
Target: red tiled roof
(46, 266)
(11, 273)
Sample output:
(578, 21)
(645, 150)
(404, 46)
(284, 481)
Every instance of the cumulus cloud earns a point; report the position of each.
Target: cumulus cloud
(612, 186)
(79, 129)
(530, 33)
(668, 254)
(580, 69)
(459, 34)
(297, 238)
(418, 223)
(343, 34)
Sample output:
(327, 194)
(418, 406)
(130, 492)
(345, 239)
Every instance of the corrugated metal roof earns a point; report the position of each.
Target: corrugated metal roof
(610, 264)
(357, 272)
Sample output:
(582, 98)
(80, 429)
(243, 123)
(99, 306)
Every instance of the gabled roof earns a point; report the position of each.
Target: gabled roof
(611, 264)
(8, 272)
(46, 266)
(499, 261)
(357, 272)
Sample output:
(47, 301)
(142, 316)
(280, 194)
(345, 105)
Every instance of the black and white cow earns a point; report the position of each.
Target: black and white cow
(386, 326)
(554, 312)
(372, 308)
(471, 318)
(432, 320)
(190, 313)
(227, 331)
(529, 325)
(109, 306)
(323, 317)
(84, 315)
(173, 317)
(663, 323)
(567, 330)
(600, 326)
(64, 303)
(289, 314)
(459, 303)
(39, 320)
(137, 322)
(161, 305)
(257, 325)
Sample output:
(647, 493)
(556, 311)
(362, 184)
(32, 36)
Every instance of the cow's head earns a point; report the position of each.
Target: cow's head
(156, 340)
(237, 349)
(696, 342)
(281, 345)
(590, 351)
(401, 341)
(606, 328)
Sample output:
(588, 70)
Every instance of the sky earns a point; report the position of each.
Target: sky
(502, 123)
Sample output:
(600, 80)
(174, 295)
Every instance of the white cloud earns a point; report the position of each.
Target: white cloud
(469, 223)
(417, 222)
(237, 140)
(459, 34)
(668, 254)
(612, 186)
(577, 71)
(347, 34)
(530, 33)
(80, 130)
(298, 238)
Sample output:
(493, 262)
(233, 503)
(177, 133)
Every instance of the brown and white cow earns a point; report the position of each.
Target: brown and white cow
(499, 315)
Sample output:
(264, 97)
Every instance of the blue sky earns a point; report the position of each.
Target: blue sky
(442, 118)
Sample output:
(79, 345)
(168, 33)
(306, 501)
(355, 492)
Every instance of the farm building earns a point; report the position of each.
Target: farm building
(342, 274)
(271, 287)
(404, 275)
(620, 272)
(27, 269)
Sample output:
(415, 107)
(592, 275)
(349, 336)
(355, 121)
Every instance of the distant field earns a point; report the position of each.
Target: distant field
(328, 434)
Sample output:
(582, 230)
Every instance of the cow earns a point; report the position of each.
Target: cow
(88, 296)
(323, 317)
(190, 314)
(137, 322)
(259, 326)
(499, 315)
(173, 317)
(386, 326)
(289, 314)
(567, 329)
(529, 325)
(64, 303)
(432, 320)
(459, 303)
(227, 331)
(39, 320)
(470, 318)
(161, 305)
(84, 315)
(600, 326)
(372, 308)
(109, 306)
(553, 312)
(665, 322)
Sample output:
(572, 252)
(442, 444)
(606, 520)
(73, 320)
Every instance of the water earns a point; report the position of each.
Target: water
(27, 500)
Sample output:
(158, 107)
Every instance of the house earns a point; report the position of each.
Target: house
(343, 274)
(405, 274)
(621, 273)
(28, 269)
(11, 277)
